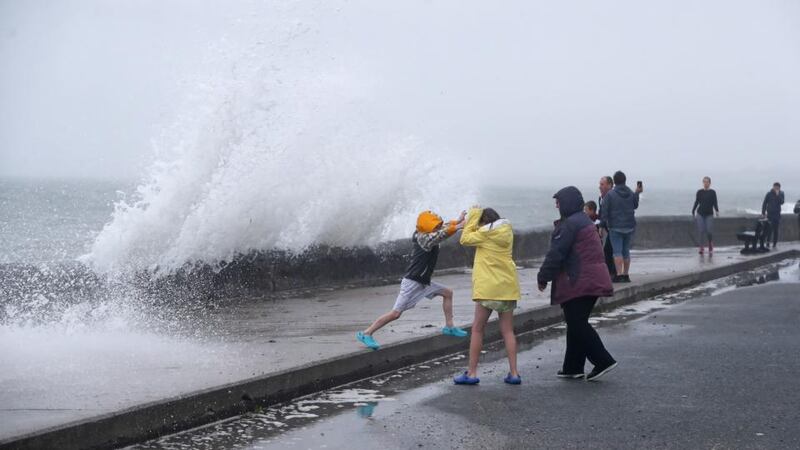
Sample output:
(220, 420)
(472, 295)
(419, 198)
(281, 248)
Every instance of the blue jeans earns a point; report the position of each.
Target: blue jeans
(705, 229)
(621, 243)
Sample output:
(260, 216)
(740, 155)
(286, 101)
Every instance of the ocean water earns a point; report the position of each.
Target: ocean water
(51, 221)
(47, 221)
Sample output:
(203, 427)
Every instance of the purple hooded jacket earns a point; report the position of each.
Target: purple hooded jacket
(575, 263)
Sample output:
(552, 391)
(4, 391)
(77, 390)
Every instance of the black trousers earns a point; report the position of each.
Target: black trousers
(582, 340)
(609, 254)
(775, 225)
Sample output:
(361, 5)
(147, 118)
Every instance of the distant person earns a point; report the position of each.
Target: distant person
(797, 211)
(495, 287)
(606, 184)
(619, 215)
(771, 209)
(417, 283)
(574, 264)
(705, 205)
(590, 208)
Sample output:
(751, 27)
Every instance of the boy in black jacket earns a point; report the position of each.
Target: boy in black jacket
(416, 283)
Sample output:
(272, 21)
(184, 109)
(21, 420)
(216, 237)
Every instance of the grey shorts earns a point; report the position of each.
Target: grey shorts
(411, 292)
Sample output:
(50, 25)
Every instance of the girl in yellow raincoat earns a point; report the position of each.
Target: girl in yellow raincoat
(495, 286)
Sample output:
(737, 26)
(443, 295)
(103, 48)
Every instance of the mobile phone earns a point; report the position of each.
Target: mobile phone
(639, 185)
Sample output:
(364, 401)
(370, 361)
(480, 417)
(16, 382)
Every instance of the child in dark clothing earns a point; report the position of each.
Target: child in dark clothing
(417, 284)
(590, 208)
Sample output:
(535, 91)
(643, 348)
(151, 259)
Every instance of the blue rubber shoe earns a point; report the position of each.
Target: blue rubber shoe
(466, 379)
(512, 380)
(454, 331)
(367, 340)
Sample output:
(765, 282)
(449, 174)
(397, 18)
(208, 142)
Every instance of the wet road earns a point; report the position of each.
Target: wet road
(714, 372)
(52, 375)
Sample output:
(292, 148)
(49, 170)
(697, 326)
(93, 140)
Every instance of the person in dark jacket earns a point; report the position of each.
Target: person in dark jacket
(606, 184)
(619, 216)
(771, 209)
(576, 267)
(705, 204)
(416, 283)
(797, 211)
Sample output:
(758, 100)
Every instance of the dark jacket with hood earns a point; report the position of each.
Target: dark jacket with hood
(619, 206)
(425, 253)
(575, 263)
(772, 205)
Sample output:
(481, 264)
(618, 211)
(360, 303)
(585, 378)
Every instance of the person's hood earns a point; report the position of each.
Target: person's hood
(496, 224)
(428, 222)
(570, 201)
(499, 233)
(623, 191)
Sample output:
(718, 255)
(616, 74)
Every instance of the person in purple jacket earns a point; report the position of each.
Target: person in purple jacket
(576, 266)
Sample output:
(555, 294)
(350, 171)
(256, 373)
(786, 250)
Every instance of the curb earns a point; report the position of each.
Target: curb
(151, 420)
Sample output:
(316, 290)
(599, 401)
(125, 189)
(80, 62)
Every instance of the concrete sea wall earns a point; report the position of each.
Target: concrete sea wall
(277, 272)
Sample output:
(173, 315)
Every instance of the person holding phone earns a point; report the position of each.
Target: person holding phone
(619, 215)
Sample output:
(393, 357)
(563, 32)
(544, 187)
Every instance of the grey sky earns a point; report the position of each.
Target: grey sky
(529, 92)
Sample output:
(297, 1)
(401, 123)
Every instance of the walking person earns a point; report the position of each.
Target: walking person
(606, 184)
(705, 205)
(771, 209)
(619, 215)
(495, 287)
(574, 264)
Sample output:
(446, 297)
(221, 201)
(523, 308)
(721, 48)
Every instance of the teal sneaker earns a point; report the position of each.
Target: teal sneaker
(454, 331)
(367, 340)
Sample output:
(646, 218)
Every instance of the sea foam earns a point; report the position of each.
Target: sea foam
(275, 148)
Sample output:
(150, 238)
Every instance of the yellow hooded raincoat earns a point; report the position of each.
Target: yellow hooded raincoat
(494, 274)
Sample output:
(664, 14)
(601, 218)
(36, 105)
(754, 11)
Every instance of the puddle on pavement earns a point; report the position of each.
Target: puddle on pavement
(362, 399)
(785, 272)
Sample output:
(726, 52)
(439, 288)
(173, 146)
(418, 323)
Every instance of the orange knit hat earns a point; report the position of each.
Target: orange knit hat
(427, 222)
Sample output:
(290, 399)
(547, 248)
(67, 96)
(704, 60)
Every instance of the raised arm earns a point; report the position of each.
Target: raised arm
(471, 236)
(429, 240)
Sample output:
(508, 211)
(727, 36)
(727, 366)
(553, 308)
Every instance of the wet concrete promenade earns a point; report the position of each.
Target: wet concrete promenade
(716, 371)
(51, 377)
